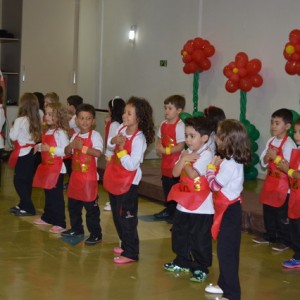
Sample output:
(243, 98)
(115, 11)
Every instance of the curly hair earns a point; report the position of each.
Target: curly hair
(29, 107)
(61, 113)
(144, 114)
(233, 142)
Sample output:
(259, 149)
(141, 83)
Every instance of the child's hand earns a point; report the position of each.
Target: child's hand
(189, 157)
(35, 149)
(272, 153)
(283, 166)
(77, 144)
(216, 160)
(119, 140)
(45, 147)
(160, 149)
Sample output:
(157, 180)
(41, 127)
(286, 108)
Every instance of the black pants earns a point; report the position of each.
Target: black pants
(276, 223)
(167, 183)
(124, 210)
(295, 237)
(92, 216)
(23, 177)
(228, 251)
(192, 240)
(54, 211)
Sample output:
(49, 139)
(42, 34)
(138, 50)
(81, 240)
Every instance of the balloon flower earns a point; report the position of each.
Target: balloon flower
(195, 55)
(291, 53)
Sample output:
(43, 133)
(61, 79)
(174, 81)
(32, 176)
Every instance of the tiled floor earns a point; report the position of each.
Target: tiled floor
(35, 264)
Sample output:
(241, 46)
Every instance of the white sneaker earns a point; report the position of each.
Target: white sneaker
(213, 289)
(107, 207)
(107, 203)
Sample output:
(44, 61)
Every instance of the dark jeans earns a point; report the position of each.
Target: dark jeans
(167, 183)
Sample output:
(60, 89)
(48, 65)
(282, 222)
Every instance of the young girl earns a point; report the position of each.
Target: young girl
(25, 132)
(123, 174)
(116, 109)
(225, 176)
(293, 171)
(50, 173)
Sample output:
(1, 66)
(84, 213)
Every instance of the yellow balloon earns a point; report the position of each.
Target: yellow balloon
(290, 49)
(235, 70)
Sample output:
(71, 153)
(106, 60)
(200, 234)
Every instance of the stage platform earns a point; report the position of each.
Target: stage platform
(150, 187)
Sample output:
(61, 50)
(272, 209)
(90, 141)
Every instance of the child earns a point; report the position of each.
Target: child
(41, 99)
(294, 203)
(123, 174)
(51, 97)
(72, 103)
(170, 143)
(2, 122)
(225, 176)
(116, 109)
(275, 191)
(191, 236)
(86, 147)
(25, 132)
(50, 173)
(215, 115)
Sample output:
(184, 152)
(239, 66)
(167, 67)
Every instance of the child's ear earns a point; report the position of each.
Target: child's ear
(94, 122)
(288, 126)
(204, 138)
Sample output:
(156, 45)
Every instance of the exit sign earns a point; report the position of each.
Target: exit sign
(163, 63)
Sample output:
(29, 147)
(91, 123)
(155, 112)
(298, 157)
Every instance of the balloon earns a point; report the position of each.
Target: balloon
(242, 72)
(205, 64)
(227, 71)
(235, 77)
(186, 69)
(209, 51)
(253, 66)
(198, 114)
(245, 84)
(256, 80)
(254, 146)
(255, 159)
(198, 56)
(296, 56)
(294, 36)
(231, 86)
(290, 68)
(241, 59)
(198, 43)
(290, 49)
(184, 115)
(295, 115)
(255, 134)
(189, 46)
(187, 58)
(250, 173)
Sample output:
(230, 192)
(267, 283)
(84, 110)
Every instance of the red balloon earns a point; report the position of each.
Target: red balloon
(186, 69)
(205, 44)
(193, 67)
(241, 59)
(205, 64)
(189, 46)
(235, 77)
(232, 65)
(296, 57)
(290, 68)
(227, 71)
(297, 68)
(198, 56)
(187, 58)
(287, 56)
(231, 86)
(245, 84)
(242, 72)
(198, 43)
(294, 36)
(253, 66)
(256, 80)
(209, 51)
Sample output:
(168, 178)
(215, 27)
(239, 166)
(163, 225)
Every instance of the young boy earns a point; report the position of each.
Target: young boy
(191, 233)
(170, 143)
(293, 171)
(86, 147)
(72, 103)
(275, 191)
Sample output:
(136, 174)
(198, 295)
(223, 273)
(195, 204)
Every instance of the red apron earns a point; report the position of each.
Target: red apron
(16, 152)
(221, 203)
(83, 184)
(294, 201)
(168, 139)
(48, 171)
(116, 179)
(276, 184)
(190, 193)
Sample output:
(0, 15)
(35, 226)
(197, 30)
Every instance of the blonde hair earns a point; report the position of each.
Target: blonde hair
(29, 107)
(61, 113)
(53, 97)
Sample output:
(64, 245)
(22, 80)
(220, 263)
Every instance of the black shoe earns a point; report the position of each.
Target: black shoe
(93, 240)
(23, 213)
(14, 209)
(164, 214)
(72, 233)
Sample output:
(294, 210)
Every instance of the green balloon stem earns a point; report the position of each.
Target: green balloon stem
(195, 91)
(243, 106)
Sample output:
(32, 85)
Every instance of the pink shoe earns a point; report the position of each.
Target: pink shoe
(57, 229)
(123, 260)
(118, 250)
(39, 221)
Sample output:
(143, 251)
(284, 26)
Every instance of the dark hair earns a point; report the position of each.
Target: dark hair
(297, 122)
(285, 114)
(200, 124)
(41, 99)
(233, 141)
(116, 106)
(144, 117)
(177, 100)
(87, 108)
(75, 100)
(215, 115)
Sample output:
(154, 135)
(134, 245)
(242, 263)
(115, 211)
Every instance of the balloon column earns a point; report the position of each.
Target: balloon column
(244, 74)
(291, 53)
(195, 55)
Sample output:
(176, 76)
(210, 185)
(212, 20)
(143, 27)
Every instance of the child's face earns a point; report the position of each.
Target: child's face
(297, 134)
(279, 128)
(129, 116)
(47, 101)
(171, 112)
(71, 109)
(50, 117)
(85, 121)
(193, 139)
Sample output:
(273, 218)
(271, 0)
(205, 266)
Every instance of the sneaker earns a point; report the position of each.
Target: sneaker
(260, 240)
(14, 209)
(280, 247)
(39, 221)
(291, 263)
(164, 214)
(213, 289)
(171, 267)
(107, 207)
(22, 213)
(72, 233)
(57, 229)
(93, 240)
(198, 276)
